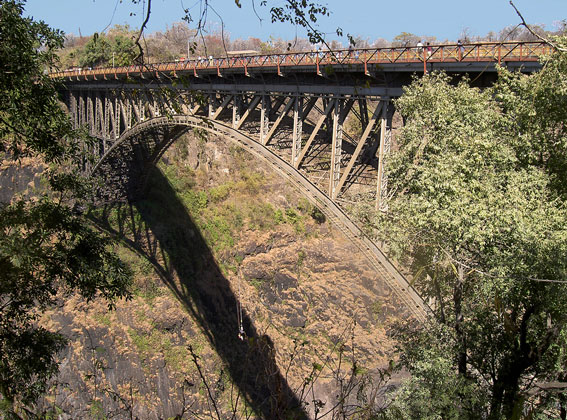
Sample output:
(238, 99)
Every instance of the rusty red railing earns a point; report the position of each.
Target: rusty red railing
(449, 53)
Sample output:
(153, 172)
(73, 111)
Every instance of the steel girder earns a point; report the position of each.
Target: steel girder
(326, 135)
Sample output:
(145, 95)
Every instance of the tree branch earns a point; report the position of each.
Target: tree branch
(140, 56)
(531, 31)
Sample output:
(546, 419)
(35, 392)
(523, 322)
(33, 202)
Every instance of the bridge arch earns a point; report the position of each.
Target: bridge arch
(170, 128)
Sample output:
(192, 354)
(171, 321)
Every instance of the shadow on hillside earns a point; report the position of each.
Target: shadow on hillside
(166, 229)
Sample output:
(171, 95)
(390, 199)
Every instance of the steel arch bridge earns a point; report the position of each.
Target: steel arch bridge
(306, 128)
(322, 122)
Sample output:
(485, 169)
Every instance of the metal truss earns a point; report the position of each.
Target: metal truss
(338, 140)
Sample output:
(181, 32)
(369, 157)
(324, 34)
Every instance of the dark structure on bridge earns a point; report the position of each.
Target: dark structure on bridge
(322, 119)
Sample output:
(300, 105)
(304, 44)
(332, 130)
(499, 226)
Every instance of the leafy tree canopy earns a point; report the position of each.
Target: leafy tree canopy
(105, 51)
(47, 249)
(478, 211)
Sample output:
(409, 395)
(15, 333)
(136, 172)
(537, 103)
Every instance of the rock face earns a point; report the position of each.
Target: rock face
(220, 237)
(21, 177)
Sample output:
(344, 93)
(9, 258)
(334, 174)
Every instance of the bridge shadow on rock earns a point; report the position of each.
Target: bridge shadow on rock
(166, 232)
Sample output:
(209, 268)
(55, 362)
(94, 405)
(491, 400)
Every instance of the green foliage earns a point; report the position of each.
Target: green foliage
(536, 104)
(124, 51)
(47, 249)
(263, 216)
(96, 410)
(318, 215)
(30, 117)
(435, 389)
(101, 50)
(292, 216)
(278, 217)
(96, 53)
(479, 214)
(302, 13)
(220, 193)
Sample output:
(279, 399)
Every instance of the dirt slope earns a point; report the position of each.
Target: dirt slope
(217, 231)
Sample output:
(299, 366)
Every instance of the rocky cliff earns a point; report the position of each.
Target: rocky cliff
(221, 242)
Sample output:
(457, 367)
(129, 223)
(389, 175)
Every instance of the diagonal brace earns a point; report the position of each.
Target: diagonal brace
(221, 107)
(359, 146)
(278, 121)
(320, 122)
(250, 108)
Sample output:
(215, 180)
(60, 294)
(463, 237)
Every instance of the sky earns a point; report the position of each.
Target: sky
(369, 19)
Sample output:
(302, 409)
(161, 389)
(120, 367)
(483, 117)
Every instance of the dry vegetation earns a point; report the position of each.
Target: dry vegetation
(179, 41)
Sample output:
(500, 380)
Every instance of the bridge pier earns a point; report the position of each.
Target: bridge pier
(298, 117)
(265, 110)
(384, 149)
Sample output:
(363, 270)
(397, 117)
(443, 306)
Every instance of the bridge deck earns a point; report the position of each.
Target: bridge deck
(451, 57)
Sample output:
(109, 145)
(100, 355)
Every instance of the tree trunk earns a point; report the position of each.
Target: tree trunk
(461, 339)
(496, 401)
(507, 383)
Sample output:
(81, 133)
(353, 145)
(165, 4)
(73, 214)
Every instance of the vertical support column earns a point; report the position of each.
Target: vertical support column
(90, 108)
(141, 109)
(107, 117)
(81, 122)
(265, 109)
(73, 109)
(328, 118)
(116, 117)
(110, 119)
(336, 148)
(86, 110)
(99, 123)
(297, 130)
(212, 104)
(363, 109)
(101, 114)
(236, 108)
(96, 114)
(80, 106)
(383, 150)
(155, 104)
(128, 113)
(90, 114)
(106, 127)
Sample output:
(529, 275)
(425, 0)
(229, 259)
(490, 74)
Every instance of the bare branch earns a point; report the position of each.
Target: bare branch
(531, 31)
(140, 56)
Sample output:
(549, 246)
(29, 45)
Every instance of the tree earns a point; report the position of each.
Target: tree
(405, 39)
(97, 52)
(47, 248)
(478, 211)
(123, 52)
(117, 49)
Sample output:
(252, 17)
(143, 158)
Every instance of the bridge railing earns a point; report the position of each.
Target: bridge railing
(449, 53)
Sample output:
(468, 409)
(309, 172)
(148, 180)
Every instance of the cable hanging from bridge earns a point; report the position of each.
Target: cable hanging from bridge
(241, 333)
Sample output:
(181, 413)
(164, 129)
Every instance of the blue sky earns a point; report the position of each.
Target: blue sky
(371, 19)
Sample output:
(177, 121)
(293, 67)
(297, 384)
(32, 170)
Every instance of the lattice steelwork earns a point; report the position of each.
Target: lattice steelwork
(307, 129)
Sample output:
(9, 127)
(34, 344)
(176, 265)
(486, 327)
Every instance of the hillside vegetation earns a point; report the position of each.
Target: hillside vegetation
(219, 230)
(116, 46)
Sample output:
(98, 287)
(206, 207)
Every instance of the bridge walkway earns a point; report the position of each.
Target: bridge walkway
(451, 57)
